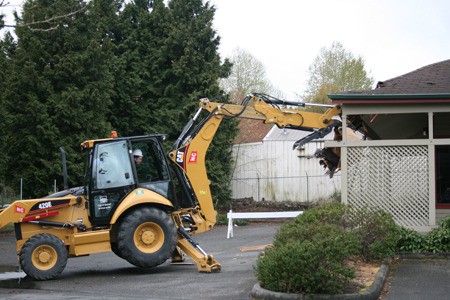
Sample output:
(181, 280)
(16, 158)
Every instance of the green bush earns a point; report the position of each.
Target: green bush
(377, 232)
(312, 265)
(221, 219)
(330, 213)
(310, 253)
(409, 240)
(438, 240)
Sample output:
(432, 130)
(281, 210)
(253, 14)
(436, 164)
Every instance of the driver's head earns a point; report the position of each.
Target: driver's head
(137, 154)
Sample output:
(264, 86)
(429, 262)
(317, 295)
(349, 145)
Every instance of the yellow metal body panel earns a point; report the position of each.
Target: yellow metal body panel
(90, 242)
(257, 109)
(72, 209)
(137, 197)
(193, 156)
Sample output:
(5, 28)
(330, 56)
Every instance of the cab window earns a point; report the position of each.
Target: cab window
(111, 166)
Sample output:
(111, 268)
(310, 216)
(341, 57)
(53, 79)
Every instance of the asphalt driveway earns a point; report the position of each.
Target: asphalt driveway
(105, 276)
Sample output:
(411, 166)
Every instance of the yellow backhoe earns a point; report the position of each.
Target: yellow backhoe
(145, 213)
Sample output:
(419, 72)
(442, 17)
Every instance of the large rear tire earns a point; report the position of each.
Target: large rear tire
(43, 256)
(146, 237)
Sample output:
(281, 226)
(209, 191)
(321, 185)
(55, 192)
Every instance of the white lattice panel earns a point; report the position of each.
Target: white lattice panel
(393, 178)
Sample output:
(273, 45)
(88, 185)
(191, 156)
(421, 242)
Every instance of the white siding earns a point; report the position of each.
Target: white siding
(272, 170)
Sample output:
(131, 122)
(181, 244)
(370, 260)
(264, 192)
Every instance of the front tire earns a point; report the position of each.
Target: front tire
(43, 256)
(146, 237)
(115, 250)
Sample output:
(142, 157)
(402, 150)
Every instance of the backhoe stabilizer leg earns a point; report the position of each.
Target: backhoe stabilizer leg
(205, 263)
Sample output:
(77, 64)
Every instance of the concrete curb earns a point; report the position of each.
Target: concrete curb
(423, 255)
(259, 293)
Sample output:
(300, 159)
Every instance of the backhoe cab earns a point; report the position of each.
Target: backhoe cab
(145, 213)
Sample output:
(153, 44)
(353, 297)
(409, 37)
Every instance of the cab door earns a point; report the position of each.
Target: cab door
(111, 179)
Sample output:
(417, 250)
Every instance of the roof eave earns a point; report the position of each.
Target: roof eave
(389, 98)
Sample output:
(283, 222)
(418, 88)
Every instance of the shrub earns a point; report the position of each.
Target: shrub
(438, 240)
(409, 240)
(330, 213)
(221, 219)
(377, 232)
(310, 253)
(312, 265)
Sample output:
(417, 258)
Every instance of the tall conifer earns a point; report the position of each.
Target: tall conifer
(60, 90)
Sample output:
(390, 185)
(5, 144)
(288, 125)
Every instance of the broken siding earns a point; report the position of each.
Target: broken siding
(272, 170)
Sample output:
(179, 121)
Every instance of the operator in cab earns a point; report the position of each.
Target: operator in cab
(138, 156)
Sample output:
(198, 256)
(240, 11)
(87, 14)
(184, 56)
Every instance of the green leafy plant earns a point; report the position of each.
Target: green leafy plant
(329, 213)
(438, 240)
(311, 253)
(376, 231)
(315, 264)
(409, 240)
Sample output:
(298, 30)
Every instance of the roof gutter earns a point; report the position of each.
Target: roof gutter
(389, 98)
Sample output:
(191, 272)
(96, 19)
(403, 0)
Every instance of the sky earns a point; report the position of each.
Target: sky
(394, 37)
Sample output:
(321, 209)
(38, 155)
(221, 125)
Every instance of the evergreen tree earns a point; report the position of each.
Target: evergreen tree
(137, 39)
(80, 68)
(59, 93)
(191, 52)
(7, 48)
(167, 59)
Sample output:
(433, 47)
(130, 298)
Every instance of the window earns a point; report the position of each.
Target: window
(442, 176)
(441, 125)
(111, 167)
(152, 172)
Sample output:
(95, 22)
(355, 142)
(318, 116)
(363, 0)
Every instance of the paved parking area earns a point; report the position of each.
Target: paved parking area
(105, 276)
(418, 279)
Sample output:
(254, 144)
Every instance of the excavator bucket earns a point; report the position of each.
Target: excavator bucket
(329, 157)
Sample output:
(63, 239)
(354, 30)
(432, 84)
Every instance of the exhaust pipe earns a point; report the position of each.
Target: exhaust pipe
(64, 167)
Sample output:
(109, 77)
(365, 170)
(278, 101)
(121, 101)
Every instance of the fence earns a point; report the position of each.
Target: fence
(258, 215)
(303, 188)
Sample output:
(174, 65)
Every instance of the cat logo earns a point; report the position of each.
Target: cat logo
(180, 156)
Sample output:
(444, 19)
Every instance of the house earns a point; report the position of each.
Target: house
(403, 166)
(267, 168)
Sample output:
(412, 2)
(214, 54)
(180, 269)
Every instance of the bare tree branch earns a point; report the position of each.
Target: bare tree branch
(45, 21)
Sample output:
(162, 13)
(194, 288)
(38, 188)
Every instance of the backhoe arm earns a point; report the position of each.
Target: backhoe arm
(270, 112)
(189, 151)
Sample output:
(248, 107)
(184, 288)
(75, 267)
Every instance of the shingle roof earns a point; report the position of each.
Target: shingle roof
(433, 79)
(251, 131)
